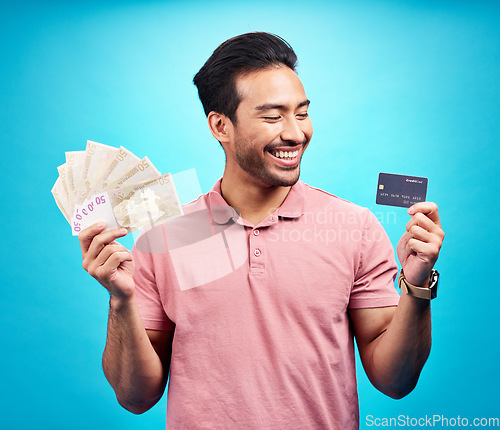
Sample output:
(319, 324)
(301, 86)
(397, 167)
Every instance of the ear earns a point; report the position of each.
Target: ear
(221, 127)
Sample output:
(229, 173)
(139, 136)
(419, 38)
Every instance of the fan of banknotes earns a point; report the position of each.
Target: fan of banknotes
(110, 184)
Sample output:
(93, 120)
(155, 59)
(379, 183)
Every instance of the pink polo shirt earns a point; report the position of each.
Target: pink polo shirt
(262, 337)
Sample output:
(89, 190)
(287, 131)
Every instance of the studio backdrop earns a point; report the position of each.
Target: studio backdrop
(406, 87)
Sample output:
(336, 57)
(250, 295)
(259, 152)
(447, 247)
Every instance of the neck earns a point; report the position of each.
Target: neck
(254, 201)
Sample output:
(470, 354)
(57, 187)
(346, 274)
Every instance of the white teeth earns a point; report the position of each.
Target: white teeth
(285, 154)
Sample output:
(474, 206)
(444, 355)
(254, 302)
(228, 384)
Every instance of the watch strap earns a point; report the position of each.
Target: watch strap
(428, 293)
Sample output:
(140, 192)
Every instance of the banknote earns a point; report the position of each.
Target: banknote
(63, 191)
(144, 170)
(97, 156)
(145, 204)
(134, 207)
(74, 164)
(122, 162)
(114, 186)
(61, 202)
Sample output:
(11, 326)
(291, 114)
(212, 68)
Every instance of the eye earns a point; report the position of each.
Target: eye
(272, 118)
(302, 115)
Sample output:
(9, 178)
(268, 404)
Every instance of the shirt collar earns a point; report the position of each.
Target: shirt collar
(221, 212)
(294, 203)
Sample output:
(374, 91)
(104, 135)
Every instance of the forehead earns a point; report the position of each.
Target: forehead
(279, 85)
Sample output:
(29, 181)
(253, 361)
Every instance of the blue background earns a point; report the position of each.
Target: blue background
(406, 87)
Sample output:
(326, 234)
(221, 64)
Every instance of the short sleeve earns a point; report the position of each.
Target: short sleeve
(147, 295)
(377, 270)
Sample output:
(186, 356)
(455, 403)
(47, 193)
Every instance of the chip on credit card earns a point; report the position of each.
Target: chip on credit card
(400, 190)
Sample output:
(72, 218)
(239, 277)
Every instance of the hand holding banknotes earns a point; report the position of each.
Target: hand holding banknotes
(109, 262)
(419, 247)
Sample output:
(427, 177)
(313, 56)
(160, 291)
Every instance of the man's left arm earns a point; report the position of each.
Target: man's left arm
(394, 342)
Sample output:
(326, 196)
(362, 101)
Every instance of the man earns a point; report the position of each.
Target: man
(266, 343)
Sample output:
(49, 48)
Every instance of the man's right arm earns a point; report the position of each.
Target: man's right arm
(135, 360)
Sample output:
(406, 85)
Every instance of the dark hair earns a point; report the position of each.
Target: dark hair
(241, 54)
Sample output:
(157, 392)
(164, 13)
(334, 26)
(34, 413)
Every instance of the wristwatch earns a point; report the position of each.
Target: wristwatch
(420, 292)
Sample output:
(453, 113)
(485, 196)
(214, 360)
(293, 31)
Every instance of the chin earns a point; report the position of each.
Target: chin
(281, 181)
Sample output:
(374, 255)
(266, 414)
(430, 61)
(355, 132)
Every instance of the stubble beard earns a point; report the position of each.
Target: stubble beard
(255, 165)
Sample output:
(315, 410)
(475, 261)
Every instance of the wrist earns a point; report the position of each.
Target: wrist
(425, 283)
(119, 302)
(426, 290)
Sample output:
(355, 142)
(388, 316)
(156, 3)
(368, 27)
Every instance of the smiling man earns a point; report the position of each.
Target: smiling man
(265, 140)
(251, 302)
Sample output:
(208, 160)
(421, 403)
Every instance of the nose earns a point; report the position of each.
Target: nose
(292, 131)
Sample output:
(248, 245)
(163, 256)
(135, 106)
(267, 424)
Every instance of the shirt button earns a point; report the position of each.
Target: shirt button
(256, 232)
(257, 252)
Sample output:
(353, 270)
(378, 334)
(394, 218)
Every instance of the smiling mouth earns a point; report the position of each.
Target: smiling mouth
(284, 155)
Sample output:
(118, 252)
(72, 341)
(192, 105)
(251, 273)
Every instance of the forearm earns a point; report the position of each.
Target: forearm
(130, 362)
(399, 353)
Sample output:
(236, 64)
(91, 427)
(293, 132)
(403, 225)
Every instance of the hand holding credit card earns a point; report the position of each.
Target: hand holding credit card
(400, 190)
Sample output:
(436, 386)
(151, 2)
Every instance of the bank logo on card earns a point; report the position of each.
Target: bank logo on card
(400, 190)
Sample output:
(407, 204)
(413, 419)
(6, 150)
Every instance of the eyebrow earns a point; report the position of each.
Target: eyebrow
(270, 106)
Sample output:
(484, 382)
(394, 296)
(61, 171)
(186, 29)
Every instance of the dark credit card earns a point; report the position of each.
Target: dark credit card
(400, 190)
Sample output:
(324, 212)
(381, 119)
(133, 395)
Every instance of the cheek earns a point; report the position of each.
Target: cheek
(308, 129)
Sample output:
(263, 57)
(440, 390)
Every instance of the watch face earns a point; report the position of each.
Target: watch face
(434, 278)
(434, 290)
(433, 283)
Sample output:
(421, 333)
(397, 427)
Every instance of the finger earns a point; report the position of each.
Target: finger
(427, 250)
(419, 233)
(425, 222)
(103, 256)
(405, 237)
(85, 237)
(101, 240)
(110, 266)
(427, 208)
